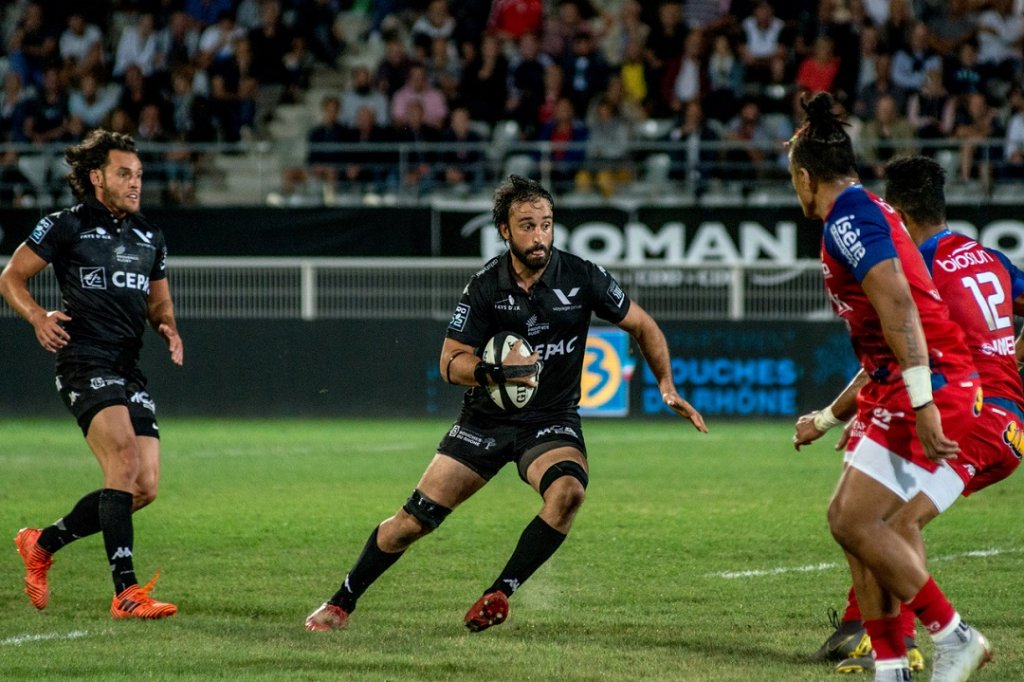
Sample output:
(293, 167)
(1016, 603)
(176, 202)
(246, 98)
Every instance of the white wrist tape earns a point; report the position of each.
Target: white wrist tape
(825, 419)
(918, 380)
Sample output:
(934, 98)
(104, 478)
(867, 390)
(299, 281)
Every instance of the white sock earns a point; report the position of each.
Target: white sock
(946, 632)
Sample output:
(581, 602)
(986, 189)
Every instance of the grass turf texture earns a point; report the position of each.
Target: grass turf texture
(257, 522)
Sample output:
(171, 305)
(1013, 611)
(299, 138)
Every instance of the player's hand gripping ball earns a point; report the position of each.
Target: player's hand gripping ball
(510, 396)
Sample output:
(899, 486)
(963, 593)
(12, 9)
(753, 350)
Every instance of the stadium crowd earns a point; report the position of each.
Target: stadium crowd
(602, 81)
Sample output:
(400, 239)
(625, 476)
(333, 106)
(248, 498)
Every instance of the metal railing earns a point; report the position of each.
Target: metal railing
(396, 289)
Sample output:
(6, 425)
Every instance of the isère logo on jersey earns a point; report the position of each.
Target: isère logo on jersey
(847, 238)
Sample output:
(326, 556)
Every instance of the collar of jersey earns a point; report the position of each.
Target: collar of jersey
(507, 283)
(933, 241)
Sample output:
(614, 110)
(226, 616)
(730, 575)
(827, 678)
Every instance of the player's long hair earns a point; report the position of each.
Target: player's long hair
(916, 186)
(516, 190)
(91, 154)
(821, 145)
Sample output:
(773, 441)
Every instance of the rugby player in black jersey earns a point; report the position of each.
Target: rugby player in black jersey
(110, 263)
(547, 296)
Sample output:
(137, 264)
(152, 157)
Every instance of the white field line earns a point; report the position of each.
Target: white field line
(18, 640)
(829, 565)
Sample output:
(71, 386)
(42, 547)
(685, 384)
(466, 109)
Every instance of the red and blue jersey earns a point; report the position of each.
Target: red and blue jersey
(861, 231)
(979, 285)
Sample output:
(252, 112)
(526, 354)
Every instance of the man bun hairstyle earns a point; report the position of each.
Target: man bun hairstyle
(916, 186)
(515, 190)
(821, 145)
(91, 154)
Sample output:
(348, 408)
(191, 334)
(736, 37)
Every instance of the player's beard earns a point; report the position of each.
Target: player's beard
(535, 262)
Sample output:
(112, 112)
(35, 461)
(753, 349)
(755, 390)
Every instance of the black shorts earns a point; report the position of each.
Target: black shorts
(89, 381)
(485, 444)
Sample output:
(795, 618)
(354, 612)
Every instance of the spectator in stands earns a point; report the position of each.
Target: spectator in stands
(911, 62)
(91, 102)
(1013, 148)
(418, 89)
(152, 140)
(866, 68)
(634, 75)
(207, 12)
(608, 163)
(435, 22)
(931, 111)
(233, 93)
(32, 47)
(664, 51)
(567, 136)
(979, 132)
(965, 73)
(190, 116)
(177, 43)
(81, 46)
(725, 80)
(484, 86)
(419, 139)
(1000, 32)
(952, 27)
(763, 49)
(322, 163)
(14, 104)
(270, 40)
(359, 94)
(750, 155)
(47, 121)
(510, 20)
(320, 22)
(710, 17)
(561, 29)
(463, 166)
(689, 83)
(586, 71)
(817, 72)
(554, 91)
(366, 167)
(298, 64)
(393, 70)
(137, 46)
(217, 41)
(627, 28)
(884, 136)
(839, 24)
(444, 68)
(695, 161)
(894, 31)
(881, 86)
(526, 77)
(136, 92)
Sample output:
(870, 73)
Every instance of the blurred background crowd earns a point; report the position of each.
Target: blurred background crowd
(409, 98)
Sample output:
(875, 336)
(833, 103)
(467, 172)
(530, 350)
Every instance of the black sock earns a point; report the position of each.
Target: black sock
(80, 522)
(370, 565)
(536, 545)
(115, 513)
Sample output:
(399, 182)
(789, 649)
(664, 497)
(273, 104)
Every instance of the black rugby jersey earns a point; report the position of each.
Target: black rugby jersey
(554, 317)
(104, 266)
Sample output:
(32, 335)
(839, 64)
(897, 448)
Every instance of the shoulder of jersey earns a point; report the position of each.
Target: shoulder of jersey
(143, 221)
(488, 266)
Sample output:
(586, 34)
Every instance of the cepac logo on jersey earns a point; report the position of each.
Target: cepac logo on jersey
(607, 369)
(93, 278)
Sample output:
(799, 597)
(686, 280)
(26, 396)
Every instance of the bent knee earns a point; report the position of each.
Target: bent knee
(143, 496)
(565, 495)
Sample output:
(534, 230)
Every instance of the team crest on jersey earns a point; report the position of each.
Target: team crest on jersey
(1014, 437)
(616, 293)
(42, 227)
(93, 278)
(979, 401)
(459, 318)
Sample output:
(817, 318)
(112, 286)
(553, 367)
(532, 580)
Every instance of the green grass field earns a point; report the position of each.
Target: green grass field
(694, 558)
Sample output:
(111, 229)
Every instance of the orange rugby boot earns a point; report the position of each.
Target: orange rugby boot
(327, 617)
(135, 602)
(37, 563)
(490, 609)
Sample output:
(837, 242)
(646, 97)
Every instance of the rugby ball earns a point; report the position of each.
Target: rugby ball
(509, 396)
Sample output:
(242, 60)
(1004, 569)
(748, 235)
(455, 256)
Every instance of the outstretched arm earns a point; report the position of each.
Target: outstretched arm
(649, 337)
(23, 266)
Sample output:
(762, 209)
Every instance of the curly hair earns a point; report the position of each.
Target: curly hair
(90, 154)
(916, 186)
(516, 190)
(821, 145)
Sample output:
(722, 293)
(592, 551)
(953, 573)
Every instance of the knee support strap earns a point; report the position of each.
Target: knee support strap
(426, 511)
(563, 468)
